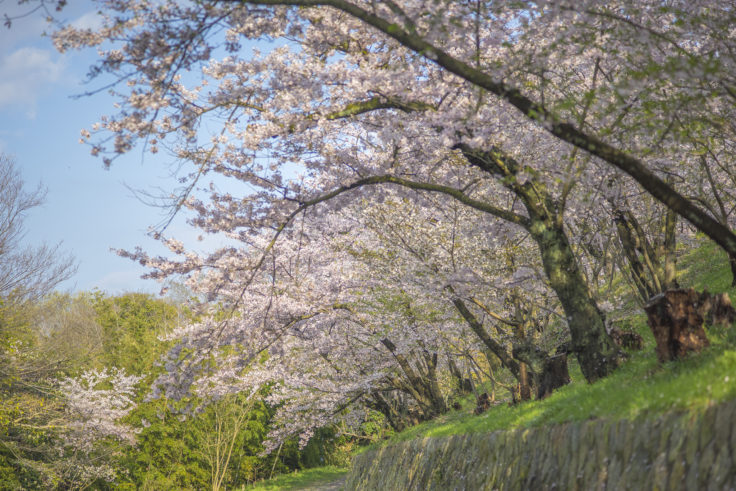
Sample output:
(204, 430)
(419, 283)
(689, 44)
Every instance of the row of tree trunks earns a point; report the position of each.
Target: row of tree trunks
(651, 265)
(463, 385)
(421, 383)
(395, 408)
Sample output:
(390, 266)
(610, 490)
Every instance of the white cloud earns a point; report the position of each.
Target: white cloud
(26, 72)
(29, 65)
(90, 20)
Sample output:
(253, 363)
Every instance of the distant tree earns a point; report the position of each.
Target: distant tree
(26, 272)
(131, 324)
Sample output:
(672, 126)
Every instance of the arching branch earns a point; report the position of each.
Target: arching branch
(563, 130)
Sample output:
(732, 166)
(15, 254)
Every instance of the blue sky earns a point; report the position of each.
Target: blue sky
(88, 208)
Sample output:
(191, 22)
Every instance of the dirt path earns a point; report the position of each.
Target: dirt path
(327, 486)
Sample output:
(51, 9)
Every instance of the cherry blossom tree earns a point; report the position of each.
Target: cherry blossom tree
(95, 404)
(510, 42)
(360, 309)
(513, 111)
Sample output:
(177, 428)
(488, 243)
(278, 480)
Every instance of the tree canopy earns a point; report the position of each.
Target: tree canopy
(419, 192)
(449, 145)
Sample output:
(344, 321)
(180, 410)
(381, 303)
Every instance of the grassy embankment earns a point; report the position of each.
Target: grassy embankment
(641, 387)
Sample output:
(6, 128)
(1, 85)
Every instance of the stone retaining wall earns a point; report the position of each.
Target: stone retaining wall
(674, 451)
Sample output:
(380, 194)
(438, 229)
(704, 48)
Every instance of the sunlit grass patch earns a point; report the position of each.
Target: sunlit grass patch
(641, 387)
(705, 267)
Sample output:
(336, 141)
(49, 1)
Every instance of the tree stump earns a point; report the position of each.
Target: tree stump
(721, 311)
(554, 375)
(483, 404)
(676, 320)
(626, 338)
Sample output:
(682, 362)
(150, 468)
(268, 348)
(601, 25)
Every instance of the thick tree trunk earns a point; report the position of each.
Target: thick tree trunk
(495, 347)
(596, 352)
(524, 374)
(629, 245)
(676, 319)
(463, 385)
(423, 387)
(431, 384)
(652, 268)
(393, 417)
(525, 383)
(670, 251)
(554, 375)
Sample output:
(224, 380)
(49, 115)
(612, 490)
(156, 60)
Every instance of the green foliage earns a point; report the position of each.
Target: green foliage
(165, 456)
(175, 451)
(326, 447)
(28, 406)
(131, 325)
(65, 335)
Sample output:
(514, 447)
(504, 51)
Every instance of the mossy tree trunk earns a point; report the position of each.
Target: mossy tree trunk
(421, 382)
(519, 370)
(395, 418)
(463, 385)
(652, 265)
(595, 350)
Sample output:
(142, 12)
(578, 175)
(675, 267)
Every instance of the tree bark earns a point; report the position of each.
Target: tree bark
(596, 352)
(630, 245)
(462, 384)
(495, 347)
(676, 320)
(423, 387)
(554, 375)
(380, 404)
(670, 251)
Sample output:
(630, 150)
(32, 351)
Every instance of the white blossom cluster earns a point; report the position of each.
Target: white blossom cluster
(96, 402)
